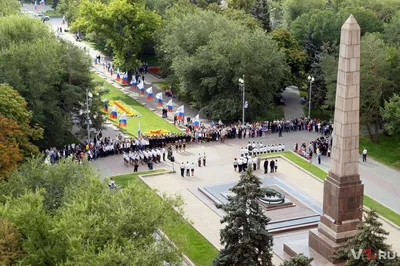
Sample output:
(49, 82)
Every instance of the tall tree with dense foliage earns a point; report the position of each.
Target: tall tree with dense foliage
(110, 227)
(14, 107)
(391, 116)
(207, 63)
(125, 25)
(245, 239)
(370, 235)
(10, 153)
(9, 7)
(51, 75)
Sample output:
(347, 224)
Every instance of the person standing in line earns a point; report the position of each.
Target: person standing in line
(240, 164)
(204, 159)
(136, 165)
(266, 166)
(254, 161)
(199, 160)
(235, 164)
(192, 168)
(187, 169)
(182, 169)
(163, 154)
(276, 165)
(364, 155)
(272, 166)
(319, 157)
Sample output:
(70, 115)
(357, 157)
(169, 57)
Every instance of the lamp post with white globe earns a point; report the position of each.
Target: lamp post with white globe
(311, 79)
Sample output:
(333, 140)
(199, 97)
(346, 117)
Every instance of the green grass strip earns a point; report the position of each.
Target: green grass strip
(321, 174)
(148, 121)
(199, 250)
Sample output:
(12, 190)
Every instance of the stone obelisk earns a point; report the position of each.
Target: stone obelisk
(343, 190)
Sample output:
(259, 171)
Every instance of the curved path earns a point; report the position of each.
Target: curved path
(293, 108)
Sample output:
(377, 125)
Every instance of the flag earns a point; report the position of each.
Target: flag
(138, 130)
(106, 107)
(196, 123)
(118, 75)
(41, 2)
(159, 98)
(114, 112)
(169, 106)
(141, 87)
(122, 120)
(63, 21)
(149, 93)
(180, 112)
(133, 82)
(125, 78)
(35, 5)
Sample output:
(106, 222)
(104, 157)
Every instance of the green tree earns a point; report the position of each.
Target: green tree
(260, 9)
(245, 238)
(14, 107)
(391, 116)
(51, 75)
(10, 243)
(295, 57)
(207, 63)
(293, 9)
(391, 32)
(370, 235)
(124, 25)
(108, 225)
(330, 68)
(9, 7)
(298, 260)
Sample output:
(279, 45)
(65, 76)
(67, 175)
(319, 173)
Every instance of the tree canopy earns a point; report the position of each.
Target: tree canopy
(9, 7)
(110, 227)
(391, 115)
(207, 54)
(51, 75)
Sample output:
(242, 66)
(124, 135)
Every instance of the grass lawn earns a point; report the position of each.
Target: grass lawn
(387, 151)
(315, 170)
(148, 121)
(199, 250)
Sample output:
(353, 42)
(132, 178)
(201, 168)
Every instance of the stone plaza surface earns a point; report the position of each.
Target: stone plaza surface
(219, 172)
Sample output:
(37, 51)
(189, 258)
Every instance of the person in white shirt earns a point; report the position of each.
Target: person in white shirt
(279, 147)
(192, 168)
(283, 146)
(241, 151)
(235, 164)
(364, 155)
(269, 148)
(187, 167)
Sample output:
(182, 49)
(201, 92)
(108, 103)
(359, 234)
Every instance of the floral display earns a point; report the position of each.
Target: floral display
(156, 132)
(124, 108)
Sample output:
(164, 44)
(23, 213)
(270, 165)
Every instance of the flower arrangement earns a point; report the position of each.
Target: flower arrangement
(156, 132)
(124, 108)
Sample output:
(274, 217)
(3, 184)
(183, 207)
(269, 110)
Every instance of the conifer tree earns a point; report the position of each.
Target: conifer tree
(245, 238)
(368, 242)
(298, 260)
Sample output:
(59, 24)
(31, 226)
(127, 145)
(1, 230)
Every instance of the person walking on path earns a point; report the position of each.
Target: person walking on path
(199, 160)
(272, 166)
(204, 159)
(266, 166)
(364, 155)
(182, 169)
(187, 169)
(235, 164)
(192, 168)
(254, 160)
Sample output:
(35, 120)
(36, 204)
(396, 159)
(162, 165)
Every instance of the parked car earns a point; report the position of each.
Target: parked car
(43, 17)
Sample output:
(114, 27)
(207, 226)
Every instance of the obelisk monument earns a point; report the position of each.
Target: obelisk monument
(343, 190)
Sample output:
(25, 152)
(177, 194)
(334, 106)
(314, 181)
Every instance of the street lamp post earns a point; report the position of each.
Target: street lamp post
(244, 103)
(88, 95)
(311, 79)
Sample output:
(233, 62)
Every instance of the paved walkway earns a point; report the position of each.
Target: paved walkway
(292, 108)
